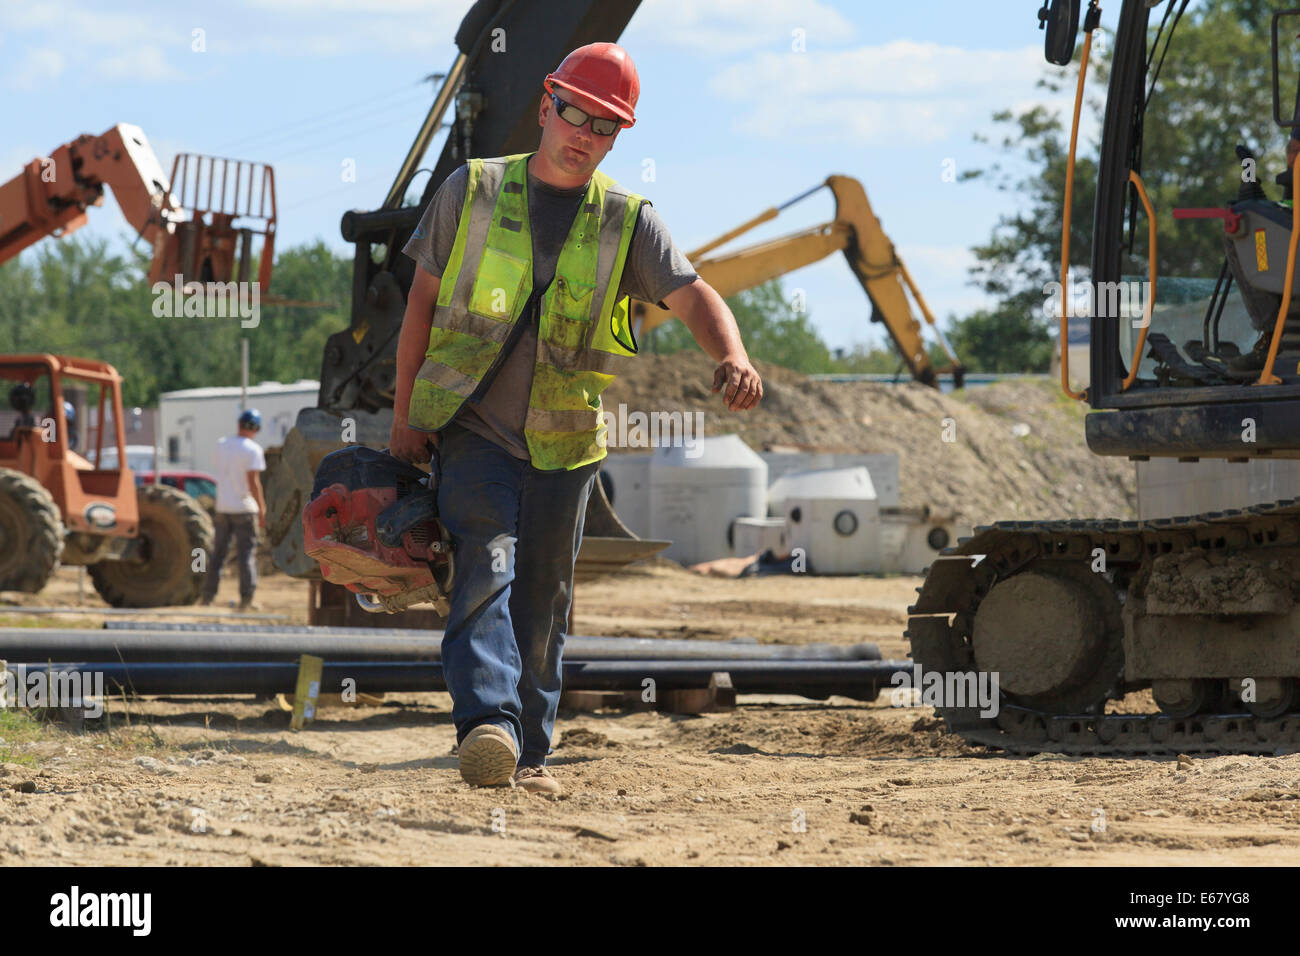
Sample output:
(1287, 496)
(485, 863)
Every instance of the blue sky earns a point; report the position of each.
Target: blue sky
(733, 117)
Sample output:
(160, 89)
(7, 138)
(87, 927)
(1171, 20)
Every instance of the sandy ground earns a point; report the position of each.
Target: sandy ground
(779, 780)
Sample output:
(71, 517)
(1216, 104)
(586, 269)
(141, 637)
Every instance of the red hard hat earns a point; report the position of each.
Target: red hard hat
(603, 72)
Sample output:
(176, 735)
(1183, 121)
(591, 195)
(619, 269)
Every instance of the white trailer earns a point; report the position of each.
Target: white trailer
(194, 419)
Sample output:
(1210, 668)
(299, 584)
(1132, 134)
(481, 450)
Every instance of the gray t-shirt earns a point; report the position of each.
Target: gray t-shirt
(655, 268)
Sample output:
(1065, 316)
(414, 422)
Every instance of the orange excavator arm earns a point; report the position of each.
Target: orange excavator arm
(198, 241)
(857, 233)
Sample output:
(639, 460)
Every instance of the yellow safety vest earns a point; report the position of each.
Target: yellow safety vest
(584, 337)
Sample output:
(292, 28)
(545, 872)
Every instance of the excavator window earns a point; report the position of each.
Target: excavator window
(1223, 237)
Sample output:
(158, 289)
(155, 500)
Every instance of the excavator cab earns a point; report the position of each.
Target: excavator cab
(1194, 328)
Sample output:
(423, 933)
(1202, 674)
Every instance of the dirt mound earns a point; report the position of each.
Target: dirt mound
(1011, 450)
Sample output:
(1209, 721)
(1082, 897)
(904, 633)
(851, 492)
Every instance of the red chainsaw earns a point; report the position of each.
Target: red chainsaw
(372, 525)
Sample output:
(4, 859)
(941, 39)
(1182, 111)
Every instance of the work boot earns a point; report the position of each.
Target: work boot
(248, 604)
(205, 602)
(488, 756)
(537, 780)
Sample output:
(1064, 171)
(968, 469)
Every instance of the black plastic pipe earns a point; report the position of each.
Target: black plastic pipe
(158, 644)
(860, 680)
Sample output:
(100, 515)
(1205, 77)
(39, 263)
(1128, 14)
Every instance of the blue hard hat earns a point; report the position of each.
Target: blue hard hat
(69, 412)
(250, 418)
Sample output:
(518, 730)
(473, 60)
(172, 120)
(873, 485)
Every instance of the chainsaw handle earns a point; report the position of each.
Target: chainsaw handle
(435, 470)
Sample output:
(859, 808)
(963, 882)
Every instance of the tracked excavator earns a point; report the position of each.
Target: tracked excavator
(856, 232)
(1201, 609)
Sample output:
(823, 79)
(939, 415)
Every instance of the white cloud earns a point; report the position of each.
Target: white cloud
(37, 67)
(399, 36)
(126, 46)
(408, 27)
(145, 64)
(730, 26)
(898, 93)
(84, 26)
(110, 44)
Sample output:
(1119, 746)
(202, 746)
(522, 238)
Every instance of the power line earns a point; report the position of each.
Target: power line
(322, 144)
(340, 121)
(334, 111)
(330, 192)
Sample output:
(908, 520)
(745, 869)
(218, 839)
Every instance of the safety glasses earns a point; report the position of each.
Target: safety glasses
(576, 117)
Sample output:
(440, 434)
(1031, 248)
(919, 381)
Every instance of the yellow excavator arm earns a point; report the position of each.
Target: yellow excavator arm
(857, 233)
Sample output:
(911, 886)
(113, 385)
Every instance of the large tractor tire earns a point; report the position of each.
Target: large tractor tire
(172, 525)
(31, 533)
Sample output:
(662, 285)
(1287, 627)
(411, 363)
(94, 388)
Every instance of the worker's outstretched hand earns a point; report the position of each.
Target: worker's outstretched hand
(410, 445)
(743, 386)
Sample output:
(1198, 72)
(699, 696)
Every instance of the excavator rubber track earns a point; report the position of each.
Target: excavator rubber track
(941, 625)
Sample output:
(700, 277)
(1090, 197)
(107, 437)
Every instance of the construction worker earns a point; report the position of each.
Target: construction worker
(517, 319)
(70, 416)
(241, 508)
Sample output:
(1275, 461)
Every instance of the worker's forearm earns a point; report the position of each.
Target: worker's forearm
(713, 326)
(412, 344)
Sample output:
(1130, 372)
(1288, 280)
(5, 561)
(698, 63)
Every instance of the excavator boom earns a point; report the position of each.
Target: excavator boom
(856, 232)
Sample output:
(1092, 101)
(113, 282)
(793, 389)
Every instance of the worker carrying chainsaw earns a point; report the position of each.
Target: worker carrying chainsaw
(517, 320)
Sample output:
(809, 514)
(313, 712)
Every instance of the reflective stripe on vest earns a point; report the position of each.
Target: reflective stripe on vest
(584, 337)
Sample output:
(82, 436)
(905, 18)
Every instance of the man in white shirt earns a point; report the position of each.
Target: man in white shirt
(241, 508)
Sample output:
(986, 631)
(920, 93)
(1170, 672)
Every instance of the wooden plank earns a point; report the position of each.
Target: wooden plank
(719, 696)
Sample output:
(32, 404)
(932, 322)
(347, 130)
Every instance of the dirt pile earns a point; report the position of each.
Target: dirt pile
(1011, 450)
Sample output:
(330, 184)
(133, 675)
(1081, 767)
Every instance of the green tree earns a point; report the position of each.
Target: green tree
(77, 298)
(769, 326)
(288, 343)
(1002, 340)
(1213, 92)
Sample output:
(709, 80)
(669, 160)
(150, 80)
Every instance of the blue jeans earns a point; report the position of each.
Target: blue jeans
(516, 532)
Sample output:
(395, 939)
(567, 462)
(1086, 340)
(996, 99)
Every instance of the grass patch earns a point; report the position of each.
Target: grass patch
(18, 727)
